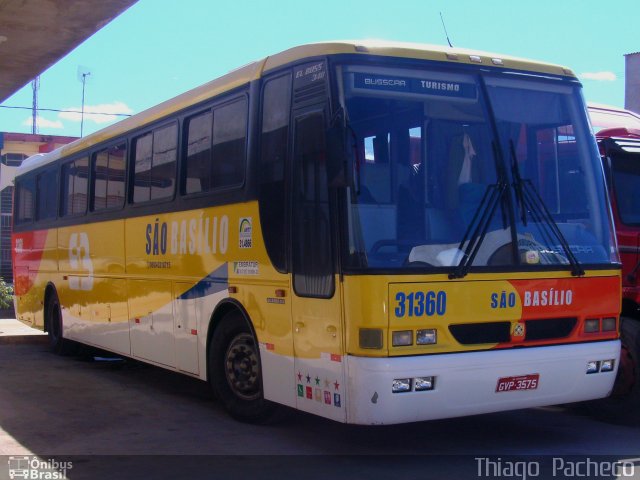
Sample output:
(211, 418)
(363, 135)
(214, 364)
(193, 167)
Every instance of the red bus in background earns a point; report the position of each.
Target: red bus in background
(618, 135)
(606, 117)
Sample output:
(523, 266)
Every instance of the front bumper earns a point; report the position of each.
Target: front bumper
(466, 382)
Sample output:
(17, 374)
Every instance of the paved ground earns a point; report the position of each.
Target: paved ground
(13, 331)
(53, 406)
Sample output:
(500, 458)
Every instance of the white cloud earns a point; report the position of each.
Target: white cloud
(599, 76)
(103, 113)
(43, 123)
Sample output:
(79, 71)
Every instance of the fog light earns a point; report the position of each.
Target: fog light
(593, 367)
(402, 338)
(426, 337)
(607, 365)
(370, 338)
(609, 324)
(401, 385)
(424, 383)
(592, 325)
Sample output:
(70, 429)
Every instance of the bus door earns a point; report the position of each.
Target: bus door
(316, 307)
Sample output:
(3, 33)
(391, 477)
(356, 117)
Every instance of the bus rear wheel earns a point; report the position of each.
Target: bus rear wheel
(53, 315)
(235, 370)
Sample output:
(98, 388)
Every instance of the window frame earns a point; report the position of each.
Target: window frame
(227, 100)
(61, 203)
(17, 203)
(185, 146)
(282, 264)
(13, 156)
(131, 168)
(38, 192)
(92, 179)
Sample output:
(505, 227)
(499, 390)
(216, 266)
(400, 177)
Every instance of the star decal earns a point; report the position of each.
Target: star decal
(308, 378)
(299, 376)
(317, 380)
(336, 385)
(326, 383)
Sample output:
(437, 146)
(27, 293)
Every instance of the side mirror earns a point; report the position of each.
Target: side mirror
(338, 161)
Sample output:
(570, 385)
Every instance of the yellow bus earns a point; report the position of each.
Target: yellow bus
(375, 233)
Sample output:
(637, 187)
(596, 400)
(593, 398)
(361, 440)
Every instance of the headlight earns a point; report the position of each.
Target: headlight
(427, 337)
(402, 338)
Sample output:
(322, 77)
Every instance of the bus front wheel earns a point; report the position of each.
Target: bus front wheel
(235, 370)
(628, 381)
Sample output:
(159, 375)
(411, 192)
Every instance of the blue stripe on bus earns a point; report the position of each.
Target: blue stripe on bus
(215, 282)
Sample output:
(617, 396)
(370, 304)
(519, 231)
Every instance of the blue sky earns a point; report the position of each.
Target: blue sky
(160, 48)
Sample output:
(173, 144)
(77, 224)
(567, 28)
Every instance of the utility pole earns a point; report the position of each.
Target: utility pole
(35, 85)
(84, 81)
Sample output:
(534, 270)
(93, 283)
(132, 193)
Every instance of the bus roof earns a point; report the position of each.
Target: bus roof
(254, 70)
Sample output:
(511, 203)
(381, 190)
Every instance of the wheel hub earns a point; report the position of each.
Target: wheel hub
(241, 367)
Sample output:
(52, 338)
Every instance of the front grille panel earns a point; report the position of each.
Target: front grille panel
(475, 333)
(549, 328)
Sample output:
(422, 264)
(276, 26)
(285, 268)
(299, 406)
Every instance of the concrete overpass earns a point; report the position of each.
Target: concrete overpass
(35, 34)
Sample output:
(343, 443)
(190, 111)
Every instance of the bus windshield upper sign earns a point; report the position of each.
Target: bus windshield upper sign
(425, 86)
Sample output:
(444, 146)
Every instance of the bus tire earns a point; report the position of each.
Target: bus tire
(627, 388)
(53, 314)
(623, 405)
(235, 370)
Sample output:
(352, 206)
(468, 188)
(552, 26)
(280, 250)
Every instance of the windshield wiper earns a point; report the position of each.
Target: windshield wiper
(530, 200)
(477, 229)
(479, 224)
(518, 185)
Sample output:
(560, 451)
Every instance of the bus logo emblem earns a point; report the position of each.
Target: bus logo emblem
(518, 330)
(245, 233)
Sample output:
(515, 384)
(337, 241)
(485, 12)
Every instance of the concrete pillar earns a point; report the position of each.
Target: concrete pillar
(632, 82)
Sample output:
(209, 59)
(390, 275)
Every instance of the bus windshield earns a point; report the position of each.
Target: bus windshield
(489, 170)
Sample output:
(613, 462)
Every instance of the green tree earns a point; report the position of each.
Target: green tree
(6, 294)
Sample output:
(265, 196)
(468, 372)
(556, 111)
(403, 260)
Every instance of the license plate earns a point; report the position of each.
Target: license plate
(523, 382)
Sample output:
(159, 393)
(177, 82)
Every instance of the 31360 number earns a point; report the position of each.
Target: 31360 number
(419, 304)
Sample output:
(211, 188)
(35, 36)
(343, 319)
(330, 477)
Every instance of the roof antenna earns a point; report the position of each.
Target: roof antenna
(445, 30)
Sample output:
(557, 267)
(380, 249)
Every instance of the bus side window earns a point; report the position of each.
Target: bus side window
(46, 193)
(276, 101)
(198, 157)
(108, 177)
(229, 141)
(74, 183)
(25, 196)
(155, 164)
(216, 148)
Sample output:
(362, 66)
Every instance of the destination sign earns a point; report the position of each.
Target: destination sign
(424, 86)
